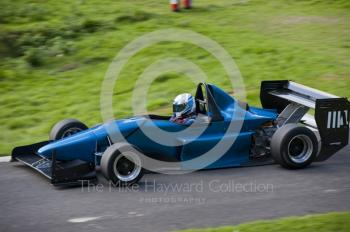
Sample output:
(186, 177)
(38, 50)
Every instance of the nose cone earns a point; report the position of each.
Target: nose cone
(121, 129)
(79, 146)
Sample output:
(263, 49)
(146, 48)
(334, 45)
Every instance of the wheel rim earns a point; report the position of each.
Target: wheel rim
(127, 166)
(71, 131)
(300, 148)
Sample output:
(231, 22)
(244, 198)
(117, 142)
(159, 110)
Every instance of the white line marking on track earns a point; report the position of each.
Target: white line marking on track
(330, 191)
(5, 159)
(83, 219)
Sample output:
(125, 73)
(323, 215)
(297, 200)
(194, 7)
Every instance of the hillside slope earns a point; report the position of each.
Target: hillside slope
(54, 54)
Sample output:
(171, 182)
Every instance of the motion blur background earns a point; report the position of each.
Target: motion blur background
(54, 54)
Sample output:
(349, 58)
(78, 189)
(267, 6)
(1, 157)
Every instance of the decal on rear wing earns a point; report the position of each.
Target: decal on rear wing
(332, 118)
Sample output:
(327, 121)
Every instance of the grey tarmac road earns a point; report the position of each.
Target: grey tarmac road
(170, 202)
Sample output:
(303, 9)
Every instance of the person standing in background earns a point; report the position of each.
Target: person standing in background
(175, 5)
(187, 4)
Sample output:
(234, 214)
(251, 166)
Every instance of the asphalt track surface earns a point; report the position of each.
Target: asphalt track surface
(201, 199)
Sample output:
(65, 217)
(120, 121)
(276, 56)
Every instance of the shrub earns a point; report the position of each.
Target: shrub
(9, 45)
(33, 12)
(137, 16)
(90, 25)
(60, 46)
(34, 57)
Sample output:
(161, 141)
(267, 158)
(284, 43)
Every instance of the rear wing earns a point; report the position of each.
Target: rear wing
(331, 112)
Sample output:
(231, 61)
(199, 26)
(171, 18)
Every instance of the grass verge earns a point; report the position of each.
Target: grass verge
(330, 222)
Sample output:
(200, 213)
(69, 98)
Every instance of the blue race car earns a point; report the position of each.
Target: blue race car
(280, 132)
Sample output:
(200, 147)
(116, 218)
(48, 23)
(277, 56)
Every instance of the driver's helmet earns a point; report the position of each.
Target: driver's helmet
(184, 105)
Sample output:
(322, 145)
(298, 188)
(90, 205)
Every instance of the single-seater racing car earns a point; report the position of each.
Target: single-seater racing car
(280, 132)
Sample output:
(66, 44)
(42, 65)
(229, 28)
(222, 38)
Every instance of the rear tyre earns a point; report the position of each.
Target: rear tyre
(65, 128)
(121, 165)
(294, 147)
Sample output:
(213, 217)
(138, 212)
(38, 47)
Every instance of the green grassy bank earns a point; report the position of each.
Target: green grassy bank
(54, 54)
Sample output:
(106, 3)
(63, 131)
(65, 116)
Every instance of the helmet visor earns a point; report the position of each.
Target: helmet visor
(179, 108)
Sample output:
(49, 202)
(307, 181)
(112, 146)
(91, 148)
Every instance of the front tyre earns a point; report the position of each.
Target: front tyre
(294, 147)
(65, 128)
(121, 164)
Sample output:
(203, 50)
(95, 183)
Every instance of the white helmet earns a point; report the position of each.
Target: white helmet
(184, 105)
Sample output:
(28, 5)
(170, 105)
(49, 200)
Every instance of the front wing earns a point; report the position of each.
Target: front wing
(58, 172)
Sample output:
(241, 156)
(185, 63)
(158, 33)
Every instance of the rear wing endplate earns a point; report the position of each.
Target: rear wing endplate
(331, 112)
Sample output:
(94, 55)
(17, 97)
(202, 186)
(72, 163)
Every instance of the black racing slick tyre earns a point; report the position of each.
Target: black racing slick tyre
(294, 147)
(65, 128)
(122, 165)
